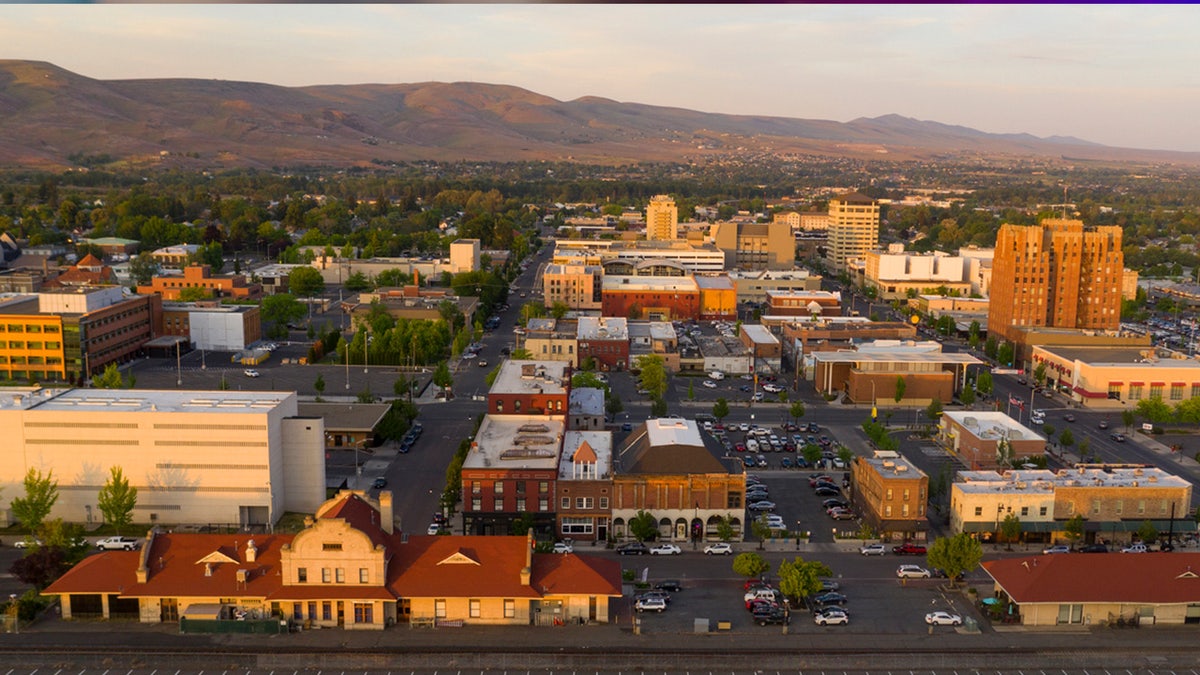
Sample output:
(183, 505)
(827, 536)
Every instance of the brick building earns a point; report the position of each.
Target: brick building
(605, 340)
(232, 286)
(867, 376)
(1056, 274)
(803, 303)
(585, 486)
(653, 298)
(531, 388)
(976, 438)
(511, 472)
(891, 493)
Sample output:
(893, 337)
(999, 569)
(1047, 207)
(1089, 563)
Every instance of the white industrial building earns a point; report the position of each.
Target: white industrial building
(195, 457)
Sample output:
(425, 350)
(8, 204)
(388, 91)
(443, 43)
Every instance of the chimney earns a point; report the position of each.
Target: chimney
(386, 516)
(416, 278)
(527, 571)
(251, 551)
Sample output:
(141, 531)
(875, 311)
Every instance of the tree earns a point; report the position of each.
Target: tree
(990, 347)
(194, 294)
(1039, 374)
(117, 499)
(760, 529)
(279, 310)
(1147, 532)
(41, 492)
(521, 354)
(357, 282)
(1073, 529)
(725, 527)
(934, 410)
(812, 453)
(750, 565)
(658, 407)
(720, 409)
(955, 555)
(800, 578)
(142, 268)
(1005, 354)
(1066, 438)
(319, 385)
(1154, 410)
(41, 566)
(643, 526)
(967, 396)
(845, 454)
(612, 404)
(1085, 447)
(691, 390)
(796, 411)
(1010, 529)
(901, 386)
(305, 282)
(559, 309)
(441, 375)
(587, 380)
(653, 374)
(111, 379)
(1127, 418)
(984, 384)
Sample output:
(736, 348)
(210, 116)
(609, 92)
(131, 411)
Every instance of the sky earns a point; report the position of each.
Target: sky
(1120, 75)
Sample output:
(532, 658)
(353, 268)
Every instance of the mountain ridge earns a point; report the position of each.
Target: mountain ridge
(51, 115)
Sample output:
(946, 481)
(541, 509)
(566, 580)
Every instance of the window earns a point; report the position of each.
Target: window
(520, 487)
(516, 406)
(543, 504)
(1141, 506)
(1195, 391)
(566, 503)
(887, 511)
(1095, 506)
(576, 525)
(476, 488)
(1156, 390)
(1177, 392)
(520, 505)
(297, 611)
(364, 612)
(498, 487)
(1024, 511)
(583, 502)
(476, 504)
(473, 605)
(364, 576)
(302, 575)
(733, 500)
(340, 575)
(1042, 511)
(331, 547)
(327, 611)
(326, 575)
(904, 510)
(543, 487)
(604, 502)
(499, 406)
(498, 504)
(888, 495)
(979, 510)
(1119, 505)
(439, 608)
(905, 494)
(510, 609)
(312, 611)
(1135, 392)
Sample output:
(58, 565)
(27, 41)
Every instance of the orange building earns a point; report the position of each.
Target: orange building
(891, 491)
(233, 286)
(1056, 274)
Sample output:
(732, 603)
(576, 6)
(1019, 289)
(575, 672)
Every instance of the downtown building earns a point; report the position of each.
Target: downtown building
(1056, 274)
(853, 230)
(662, 218)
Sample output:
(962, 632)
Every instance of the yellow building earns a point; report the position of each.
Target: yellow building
(662, 218)
(1119, 377)
(853, 229)
(577, 286)
(755, 245)
(718, 296)
(551, 339)
(349, 568)
(31, 343)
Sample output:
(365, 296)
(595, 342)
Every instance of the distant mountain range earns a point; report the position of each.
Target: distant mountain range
(52, 118)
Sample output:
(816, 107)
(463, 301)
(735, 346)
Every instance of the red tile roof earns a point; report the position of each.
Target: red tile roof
(177, 564)
(102, 573)
(362, 516)
(1153, 578)
(455, 567)
(571, 574)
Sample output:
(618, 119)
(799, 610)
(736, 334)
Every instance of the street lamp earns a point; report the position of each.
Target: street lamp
(347, 366)
(178, 367)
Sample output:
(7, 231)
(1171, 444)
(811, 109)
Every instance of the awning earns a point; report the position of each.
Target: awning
(1090, 394)
(203, 612)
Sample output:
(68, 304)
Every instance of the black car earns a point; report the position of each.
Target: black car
(826, 491)
(379, 483)
(1093, 548)
(825, 484)
(773, 614)
(670, 585)
(633, 548)
(826, 599)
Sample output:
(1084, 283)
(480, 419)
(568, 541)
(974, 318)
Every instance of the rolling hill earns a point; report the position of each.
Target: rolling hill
(52, 118)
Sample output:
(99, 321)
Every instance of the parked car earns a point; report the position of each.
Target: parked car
(760, 593)
(118, 544)
(434, 528)
(651, 605)
(1069, 417)
(841, 514)
(1120, 438)
(819, 478)
(908, 548)
(757, 397)
(912, 572)
(829, 585)
(27, 543)
(250, 372)
(721, 548)
(671, 585)
(1135, 548)
(941, 618)
(776, 615)
(831, 616)
(633, 548)
(762, 506)
(657, 593)
(563, 547)
(772, 388)
(666, 549)
(832, 502)
(1094, 548)
(873, 549)
(829, 598)
(1057, 548)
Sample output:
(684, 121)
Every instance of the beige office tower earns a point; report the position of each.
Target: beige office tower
(853, 229)
(1056, 274)
(662, 218)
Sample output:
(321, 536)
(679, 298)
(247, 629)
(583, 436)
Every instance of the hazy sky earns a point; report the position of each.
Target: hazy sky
(1119, 75)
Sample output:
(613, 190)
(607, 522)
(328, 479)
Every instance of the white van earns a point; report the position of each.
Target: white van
(716, 375)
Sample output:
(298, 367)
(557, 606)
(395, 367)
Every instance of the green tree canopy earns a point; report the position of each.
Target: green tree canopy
(800, 578)
(643, 526)
(441, 375)
(194, 294)
(955, 555)
(1073, 528)
(653, 374)
(796, 411)
(142, 268)
(279, 310)
(720, 409)
(967, 396)
(305, 282)
(41, 493)
(658, 407)
(984, 383)
(111, 378)
(901, 387)
(1010, 529)
(750, 565)
(117, 499)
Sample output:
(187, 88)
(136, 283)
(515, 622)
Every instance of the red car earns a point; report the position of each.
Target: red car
(908, 549)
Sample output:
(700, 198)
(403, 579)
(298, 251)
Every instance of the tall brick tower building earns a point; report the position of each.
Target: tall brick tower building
(1056, 274)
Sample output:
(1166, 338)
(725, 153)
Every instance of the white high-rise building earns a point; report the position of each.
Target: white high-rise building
(662, 218)
(853, 229)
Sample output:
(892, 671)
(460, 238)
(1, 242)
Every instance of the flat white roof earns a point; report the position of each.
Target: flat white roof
(600, 442)
(1041, 480)
(665, 284)
(991, 425)
(517, 442)
(603, 328)
(890, 357)
(759, 334)
(144, 400)
(672, 431)
(520, 377)
(893, 465)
